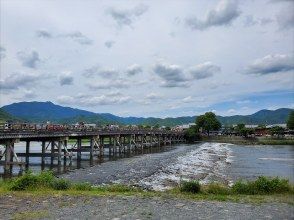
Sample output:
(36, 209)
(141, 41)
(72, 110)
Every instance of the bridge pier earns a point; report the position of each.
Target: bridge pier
(27, 153)
(43, 152)
(52, 152)
(7, 166)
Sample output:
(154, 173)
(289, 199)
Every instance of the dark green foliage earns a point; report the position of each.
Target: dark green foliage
(290, 121)
(27, 181)
(192, 134)
(208, 122)
(263, 185)
(243, 131)
(32, 181)
(277, 130)
(60, 184)
(190, 186)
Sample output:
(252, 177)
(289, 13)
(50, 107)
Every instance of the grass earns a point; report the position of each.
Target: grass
(263, 189)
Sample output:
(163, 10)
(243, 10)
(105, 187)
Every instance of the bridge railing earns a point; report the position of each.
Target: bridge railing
(77, 132)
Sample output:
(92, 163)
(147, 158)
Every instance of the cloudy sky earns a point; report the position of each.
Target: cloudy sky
(149, 58)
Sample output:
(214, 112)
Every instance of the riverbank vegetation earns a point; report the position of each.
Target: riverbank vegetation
(208, 128)
(261, 190)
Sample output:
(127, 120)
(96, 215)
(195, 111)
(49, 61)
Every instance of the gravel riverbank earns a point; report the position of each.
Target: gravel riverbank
(130, 207)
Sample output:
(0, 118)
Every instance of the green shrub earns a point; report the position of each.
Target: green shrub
(32, 181)
(82, 186)
(190, 186)
(263, 185)
(46, 178)
(27, 181)
(241, 187)
(216, 188)
(60, 184)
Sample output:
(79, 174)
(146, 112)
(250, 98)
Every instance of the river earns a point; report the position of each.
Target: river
(166, 167)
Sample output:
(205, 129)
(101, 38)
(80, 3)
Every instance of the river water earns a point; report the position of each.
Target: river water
(226, 163)
(165, 167)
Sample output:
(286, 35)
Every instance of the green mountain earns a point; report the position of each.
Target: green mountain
(47, 111)
(278, 116)
(4, 116)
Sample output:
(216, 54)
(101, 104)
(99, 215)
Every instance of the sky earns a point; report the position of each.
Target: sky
(161, 58)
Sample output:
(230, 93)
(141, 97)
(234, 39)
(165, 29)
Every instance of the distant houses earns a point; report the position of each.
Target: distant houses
(183, 127)
(247, 130)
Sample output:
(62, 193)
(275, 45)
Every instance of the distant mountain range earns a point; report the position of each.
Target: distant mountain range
(48, 111)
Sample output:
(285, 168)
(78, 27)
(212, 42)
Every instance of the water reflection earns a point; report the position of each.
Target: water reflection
(37, 164)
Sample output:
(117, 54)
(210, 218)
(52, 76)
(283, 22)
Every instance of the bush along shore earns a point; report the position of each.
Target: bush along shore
(263, 189)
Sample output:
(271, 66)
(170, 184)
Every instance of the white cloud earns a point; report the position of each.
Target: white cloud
(223, 14)
(88, 100)
(134, 69)
(204, 70)
(231, 111)
(188, 99)
(113, 84)
(66, 79)
(127, 17)
(153, 96)
(19, 80)
(272, 63)
(43, 34)
(99, 71)
(171, 74)
(29, 59)
(75, 36)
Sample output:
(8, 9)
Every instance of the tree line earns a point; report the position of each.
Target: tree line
(208, 122)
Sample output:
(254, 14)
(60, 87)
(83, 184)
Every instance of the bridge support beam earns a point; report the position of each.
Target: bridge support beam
(43, 153)
(79, 149)
(27, 153)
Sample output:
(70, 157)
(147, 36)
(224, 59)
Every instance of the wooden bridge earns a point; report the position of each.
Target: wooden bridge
(63, 145)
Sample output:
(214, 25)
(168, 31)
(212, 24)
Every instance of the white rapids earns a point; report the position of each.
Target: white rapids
(207, 163)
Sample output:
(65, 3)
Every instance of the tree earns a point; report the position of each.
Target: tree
(246, 131)
(290, 122)
(240, 127)
(208, 122)
(277, 130)
(192, 134)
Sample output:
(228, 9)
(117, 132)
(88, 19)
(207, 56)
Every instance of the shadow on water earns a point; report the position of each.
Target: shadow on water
(68, 165)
